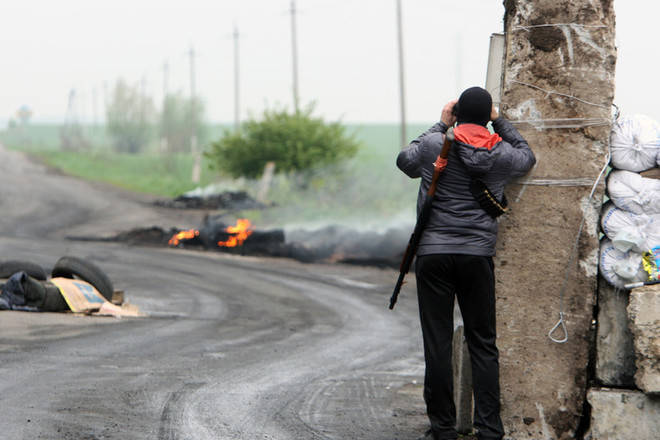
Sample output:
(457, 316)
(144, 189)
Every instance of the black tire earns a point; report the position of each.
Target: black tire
(73, 267)
(10, 267)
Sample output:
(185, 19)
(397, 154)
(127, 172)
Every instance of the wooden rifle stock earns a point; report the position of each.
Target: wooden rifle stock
(422, 218)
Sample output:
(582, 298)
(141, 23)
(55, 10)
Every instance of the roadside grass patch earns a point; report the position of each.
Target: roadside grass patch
(163, 175)
(366, 190)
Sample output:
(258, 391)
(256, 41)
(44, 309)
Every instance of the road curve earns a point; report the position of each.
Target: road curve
(233, 348)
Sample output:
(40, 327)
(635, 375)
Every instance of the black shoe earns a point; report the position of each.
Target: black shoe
(428, 435)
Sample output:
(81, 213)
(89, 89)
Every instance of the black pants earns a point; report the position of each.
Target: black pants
(471, 279)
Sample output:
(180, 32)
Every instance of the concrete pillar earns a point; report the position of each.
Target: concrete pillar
(559, 65)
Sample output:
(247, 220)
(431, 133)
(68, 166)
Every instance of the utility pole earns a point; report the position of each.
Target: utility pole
(459, 63)
(163, 137)
(143, 99)
(237, 106)
(166, 79)
(294, 52)
(106, 100)
(95, 109)
(71, 110)
(402, 89)
(197, 158)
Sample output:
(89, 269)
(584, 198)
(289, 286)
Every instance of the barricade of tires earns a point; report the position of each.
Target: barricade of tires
(630, 219)
(26, 285)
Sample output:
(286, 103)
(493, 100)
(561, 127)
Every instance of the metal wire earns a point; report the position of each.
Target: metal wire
(544, 124)
(561, 323)
(528, 27)
(552, 92)
(578, 181)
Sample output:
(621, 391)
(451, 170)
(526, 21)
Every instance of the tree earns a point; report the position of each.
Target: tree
(129, 117)
(176, 120)
(293, 141)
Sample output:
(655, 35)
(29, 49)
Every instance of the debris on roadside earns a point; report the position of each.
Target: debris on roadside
(328, 244)
(228, 200)
(76, 285)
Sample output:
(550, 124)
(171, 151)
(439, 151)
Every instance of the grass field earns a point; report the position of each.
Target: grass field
(367, 190)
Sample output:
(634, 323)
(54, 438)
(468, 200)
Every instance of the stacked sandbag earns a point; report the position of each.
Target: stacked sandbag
(631, 192)
(635, 143)
(631, 219)
(630, 231)
(620, 268)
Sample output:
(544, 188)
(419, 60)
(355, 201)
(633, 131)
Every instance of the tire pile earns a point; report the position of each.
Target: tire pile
(26, 286)
(630, 220)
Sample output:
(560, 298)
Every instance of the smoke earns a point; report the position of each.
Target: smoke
(366, 193)
(337, 244)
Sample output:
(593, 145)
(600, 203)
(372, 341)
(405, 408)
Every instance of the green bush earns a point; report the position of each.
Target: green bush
(295, 142)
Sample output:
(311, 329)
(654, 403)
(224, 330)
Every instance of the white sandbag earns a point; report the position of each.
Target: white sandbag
(635, 143)
(620, 268)
(631, 192)
(629, 231)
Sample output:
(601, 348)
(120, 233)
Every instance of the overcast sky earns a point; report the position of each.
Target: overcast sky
(347, 54)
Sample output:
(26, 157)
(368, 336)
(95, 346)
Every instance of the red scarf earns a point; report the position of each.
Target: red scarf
(476, 135)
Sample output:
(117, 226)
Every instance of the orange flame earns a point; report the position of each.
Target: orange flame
(183, 235)
(241, 232)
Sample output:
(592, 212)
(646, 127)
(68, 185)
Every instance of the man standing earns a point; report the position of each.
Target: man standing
(454, 256)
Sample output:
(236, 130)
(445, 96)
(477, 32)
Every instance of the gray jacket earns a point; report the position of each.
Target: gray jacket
(457, 224)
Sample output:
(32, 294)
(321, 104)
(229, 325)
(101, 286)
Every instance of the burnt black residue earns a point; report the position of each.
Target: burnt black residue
(546, 38)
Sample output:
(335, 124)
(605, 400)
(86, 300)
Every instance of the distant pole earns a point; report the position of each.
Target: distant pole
(402, 85)
(166, 79)
(163, 129)
(106, 100)
(143, 98)
(237, 105)
(197, 159)
(71, 114)
(294, 53)
(458, 61)
(95, 107)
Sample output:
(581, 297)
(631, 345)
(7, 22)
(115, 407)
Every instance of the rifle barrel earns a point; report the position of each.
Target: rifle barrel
(397, 289)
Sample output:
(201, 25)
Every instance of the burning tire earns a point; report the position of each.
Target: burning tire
(72, 267)
(10, 267)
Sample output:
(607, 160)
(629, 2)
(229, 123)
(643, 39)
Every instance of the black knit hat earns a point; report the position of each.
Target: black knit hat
(474, 106)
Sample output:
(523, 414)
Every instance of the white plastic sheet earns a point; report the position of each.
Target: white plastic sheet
(635, 143)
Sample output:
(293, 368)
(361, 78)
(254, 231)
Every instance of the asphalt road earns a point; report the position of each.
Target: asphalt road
(233, 347)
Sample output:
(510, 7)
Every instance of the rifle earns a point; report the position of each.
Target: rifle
(439, 166)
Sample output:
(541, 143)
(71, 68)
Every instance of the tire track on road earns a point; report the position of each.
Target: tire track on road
(171, 419)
